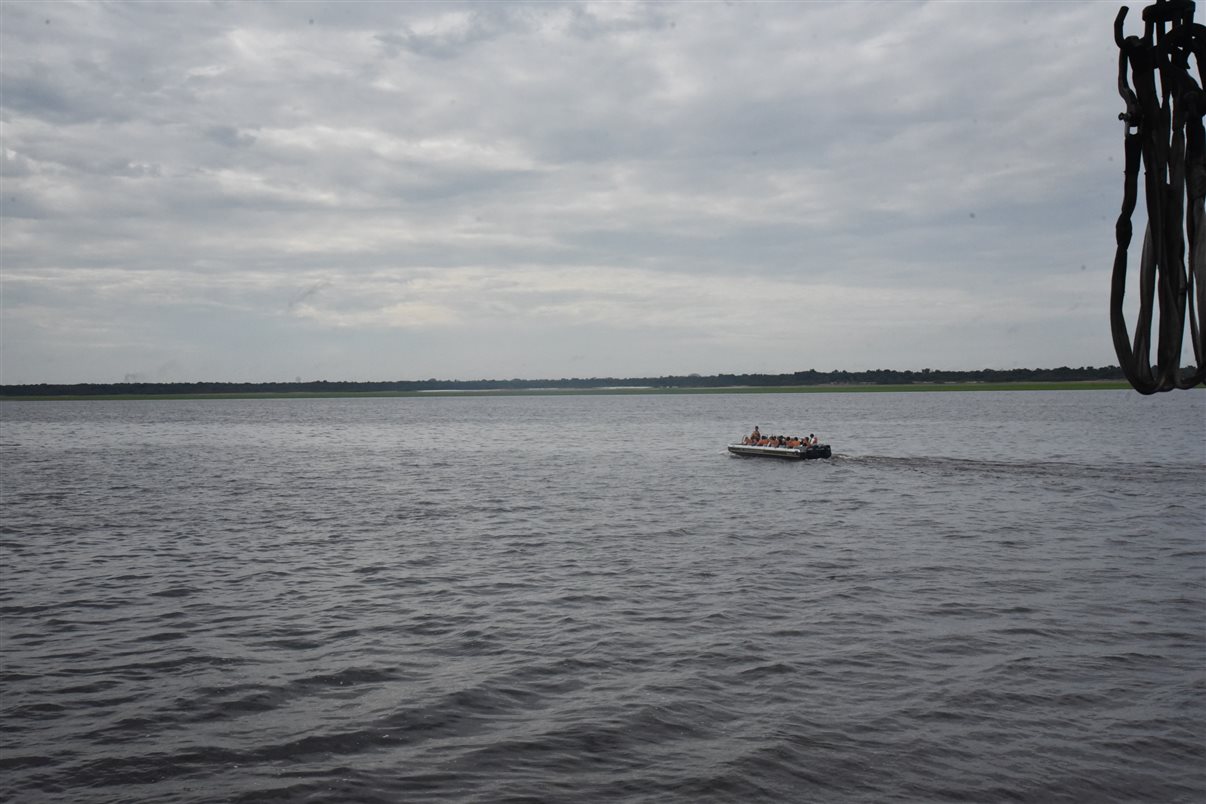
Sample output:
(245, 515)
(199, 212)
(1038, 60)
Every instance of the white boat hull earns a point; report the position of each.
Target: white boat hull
(790, 453)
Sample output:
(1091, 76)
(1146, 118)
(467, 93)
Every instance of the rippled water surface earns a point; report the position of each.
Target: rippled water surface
(981, 597)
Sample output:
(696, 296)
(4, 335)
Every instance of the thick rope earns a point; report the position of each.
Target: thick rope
(1163, 131)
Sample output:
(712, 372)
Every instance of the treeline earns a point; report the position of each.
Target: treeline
(799, 378)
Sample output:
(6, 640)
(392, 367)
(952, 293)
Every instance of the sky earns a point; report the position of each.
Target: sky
(386, 191)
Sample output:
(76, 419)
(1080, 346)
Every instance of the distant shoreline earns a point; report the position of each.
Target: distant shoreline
(855, 388)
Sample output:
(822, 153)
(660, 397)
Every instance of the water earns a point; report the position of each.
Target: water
(982, 596)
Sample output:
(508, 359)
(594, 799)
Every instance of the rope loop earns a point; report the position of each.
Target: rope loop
(1164, 133)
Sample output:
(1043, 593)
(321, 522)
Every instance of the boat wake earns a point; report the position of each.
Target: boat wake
(1022, 466)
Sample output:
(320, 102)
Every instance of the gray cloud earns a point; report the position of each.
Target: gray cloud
(230, 136)
(542, 188)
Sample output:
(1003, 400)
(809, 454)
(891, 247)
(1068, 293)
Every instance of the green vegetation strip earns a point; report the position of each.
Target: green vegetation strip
(787, 389)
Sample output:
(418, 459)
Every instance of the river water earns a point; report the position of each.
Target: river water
(981, 597)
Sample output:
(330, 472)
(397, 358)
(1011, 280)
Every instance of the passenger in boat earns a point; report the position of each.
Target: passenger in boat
(755, 436)
(812, 440)
(793, 442)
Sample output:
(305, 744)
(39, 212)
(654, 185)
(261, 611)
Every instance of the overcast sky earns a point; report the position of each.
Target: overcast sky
(378, 191)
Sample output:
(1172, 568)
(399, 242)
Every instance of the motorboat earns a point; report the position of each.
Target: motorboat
(791, 453)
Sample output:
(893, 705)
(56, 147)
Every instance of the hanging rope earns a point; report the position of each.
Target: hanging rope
(1163, 130)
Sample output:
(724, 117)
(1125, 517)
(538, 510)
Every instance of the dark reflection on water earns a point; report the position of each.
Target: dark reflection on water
(988, 597)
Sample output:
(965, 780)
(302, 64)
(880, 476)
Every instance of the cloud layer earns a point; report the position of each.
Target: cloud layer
(391, 191)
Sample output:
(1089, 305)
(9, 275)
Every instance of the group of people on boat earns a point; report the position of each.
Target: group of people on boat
(756, 439)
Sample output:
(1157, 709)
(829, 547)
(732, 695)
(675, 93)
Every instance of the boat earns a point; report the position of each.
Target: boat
(791, 453)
